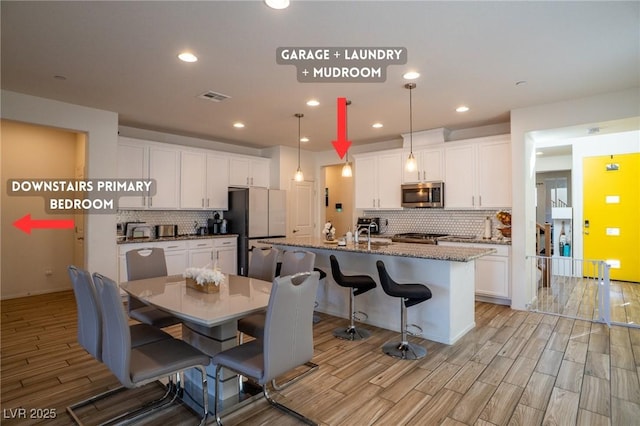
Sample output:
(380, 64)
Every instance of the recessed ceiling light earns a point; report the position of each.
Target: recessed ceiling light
(377, 125)
(277, 4)
(411, 75)
(187, 57)
(462, 108)
(313, 102)
(238, 125)
(304, 139)
(539, 153)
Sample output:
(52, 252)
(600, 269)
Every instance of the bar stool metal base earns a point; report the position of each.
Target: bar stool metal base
(404, 350)
(351, 333)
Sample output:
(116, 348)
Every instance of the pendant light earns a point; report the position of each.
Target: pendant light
(299, 177)
(410, 165)
(346, 169)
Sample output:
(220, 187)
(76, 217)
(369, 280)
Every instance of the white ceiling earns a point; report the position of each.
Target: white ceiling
(121, 56)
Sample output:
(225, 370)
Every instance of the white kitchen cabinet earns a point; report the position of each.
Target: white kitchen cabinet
(138, 159)
(378, 178)
(201, 253)
(247, 171)
(478, 173)
(430, 166)
(214, 251)
(204, 181)
(226, 254)
(133, 163)
(164, 168)
(492, 274)
(217, 182)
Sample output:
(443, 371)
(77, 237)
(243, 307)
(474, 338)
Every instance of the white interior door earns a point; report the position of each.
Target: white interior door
(302, 202)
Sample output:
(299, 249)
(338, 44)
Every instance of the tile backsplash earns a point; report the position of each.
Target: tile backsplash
(436, 221)
(185, 219)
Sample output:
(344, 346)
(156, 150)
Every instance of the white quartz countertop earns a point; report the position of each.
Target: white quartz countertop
(423, 251)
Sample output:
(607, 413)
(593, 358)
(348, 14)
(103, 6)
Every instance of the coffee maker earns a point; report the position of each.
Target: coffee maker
(215, 224)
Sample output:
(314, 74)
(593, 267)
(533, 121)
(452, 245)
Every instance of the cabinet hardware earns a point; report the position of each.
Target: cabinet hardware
(207, 202)
(203, 202)
(473, 200)
(172, 247)
(374, 202)
(480, 200)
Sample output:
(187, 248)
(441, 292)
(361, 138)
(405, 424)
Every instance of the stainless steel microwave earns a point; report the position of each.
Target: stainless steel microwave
(423, 195)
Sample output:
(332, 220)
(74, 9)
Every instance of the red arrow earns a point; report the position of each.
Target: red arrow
(342, 145)
(25, 224)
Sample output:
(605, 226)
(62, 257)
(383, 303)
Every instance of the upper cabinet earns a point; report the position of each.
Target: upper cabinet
(133, 163)
(378, 178)
(140, 160)
(204, 181)
(164, 168)
(478, 173)
(186, 178)
(246, 171)
(430, 162)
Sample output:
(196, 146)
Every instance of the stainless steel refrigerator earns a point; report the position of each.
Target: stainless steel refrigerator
(255, 213)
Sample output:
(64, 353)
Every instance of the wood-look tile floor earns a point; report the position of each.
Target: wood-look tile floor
(514, 368)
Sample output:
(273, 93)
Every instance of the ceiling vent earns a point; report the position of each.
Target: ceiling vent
(210, 95)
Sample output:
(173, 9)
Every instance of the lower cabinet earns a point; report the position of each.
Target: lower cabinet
(179, 255)
(492, 272)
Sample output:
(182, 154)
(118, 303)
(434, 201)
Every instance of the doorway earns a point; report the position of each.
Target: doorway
(37, 263)
(337, 201)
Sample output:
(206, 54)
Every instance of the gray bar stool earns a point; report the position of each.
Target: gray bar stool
(411, 294)
(358, 284)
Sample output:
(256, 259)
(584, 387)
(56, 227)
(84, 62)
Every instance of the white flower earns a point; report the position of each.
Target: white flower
(204, 276)
(329, 229)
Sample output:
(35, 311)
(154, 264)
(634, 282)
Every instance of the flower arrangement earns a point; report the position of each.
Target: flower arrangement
(329, 231)
(203, 279)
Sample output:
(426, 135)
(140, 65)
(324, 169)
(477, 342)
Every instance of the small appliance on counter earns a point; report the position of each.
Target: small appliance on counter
(138, 230)
(364, 222)
(214, 224)
(166, 231)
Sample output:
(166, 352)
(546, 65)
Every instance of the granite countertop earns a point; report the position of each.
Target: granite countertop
(476, 240)
(423, 251)
(178, 238)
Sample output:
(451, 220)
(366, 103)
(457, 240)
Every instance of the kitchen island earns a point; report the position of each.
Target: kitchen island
(449, 272)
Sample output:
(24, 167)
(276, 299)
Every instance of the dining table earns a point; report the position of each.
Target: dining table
(209, 322)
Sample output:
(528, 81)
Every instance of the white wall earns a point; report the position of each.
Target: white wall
(595, 109)
(101, 128)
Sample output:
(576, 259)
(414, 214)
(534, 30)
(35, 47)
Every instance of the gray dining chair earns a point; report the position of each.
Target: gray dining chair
(137, 366)
(90, 331)
(263, 263)
(293, 262)
(287, 342)
(141, 264)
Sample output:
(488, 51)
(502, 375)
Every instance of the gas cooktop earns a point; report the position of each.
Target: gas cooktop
(417, 237)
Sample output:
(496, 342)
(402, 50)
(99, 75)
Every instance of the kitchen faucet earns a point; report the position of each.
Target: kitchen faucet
(367, 228)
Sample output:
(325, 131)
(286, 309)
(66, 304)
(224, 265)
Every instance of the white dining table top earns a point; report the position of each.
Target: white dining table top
(238, 297)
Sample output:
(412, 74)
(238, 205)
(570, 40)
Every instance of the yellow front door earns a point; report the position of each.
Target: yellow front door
(611, 228)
